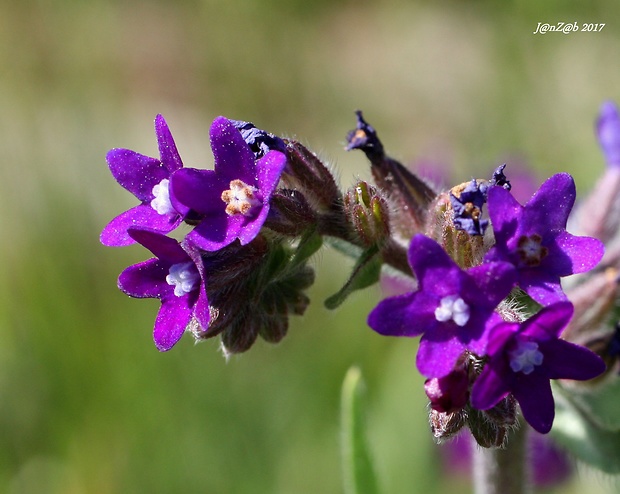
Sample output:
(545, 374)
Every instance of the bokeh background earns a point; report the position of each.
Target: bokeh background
(87, 405)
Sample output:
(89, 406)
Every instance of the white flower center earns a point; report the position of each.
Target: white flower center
(161, 203)
(184, 276)
(452, 308)
(240, 199)
(525, 357)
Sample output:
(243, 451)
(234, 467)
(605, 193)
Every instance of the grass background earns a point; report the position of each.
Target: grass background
(86, 402)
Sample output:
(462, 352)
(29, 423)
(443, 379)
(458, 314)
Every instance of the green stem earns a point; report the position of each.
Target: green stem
(503, 471)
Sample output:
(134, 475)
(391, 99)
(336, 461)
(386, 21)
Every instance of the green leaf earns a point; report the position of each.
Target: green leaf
(358, 471)
(601, 404)
(309, 243)
(346, 248)
(598, 447)
(365, 273)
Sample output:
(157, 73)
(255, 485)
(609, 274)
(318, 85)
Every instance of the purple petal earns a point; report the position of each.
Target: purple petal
(251, 229)
(549, 322)
(494, 281)
(167, 147)
(135, 172)
(436, 358)
(216, 232)
(145, 280)
(608, 133)
(268, 171)
(565, 360)
(491, 386)
(234, 159)
(200, 190)
(549, 207)
(404, 315)
(536, 401)
(173, 317)
(142, 216)
(505, 213)
(433, 267)
(201, 306)
(542, 286)
(165, 248)
(584, 252)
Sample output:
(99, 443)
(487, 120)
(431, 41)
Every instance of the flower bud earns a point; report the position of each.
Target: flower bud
(450, 393)
(409, 196)
(366, 209)
(466, 250)
(446, 425)
(306, 172)
(290, 213)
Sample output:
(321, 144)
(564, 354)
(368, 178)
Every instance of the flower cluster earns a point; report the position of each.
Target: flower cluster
(505, 297)
(198, 279)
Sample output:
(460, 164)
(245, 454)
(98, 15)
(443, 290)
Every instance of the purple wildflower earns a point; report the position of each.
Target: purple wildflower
(452, 309)
(176, 277)
(534, 238)
(467, 202)
(260, 142)
(524, 357)
(233, 199)
(608, 133)
(147, 179)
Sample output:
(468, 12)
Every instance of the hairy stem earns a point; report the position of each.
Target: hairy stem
(503, 470)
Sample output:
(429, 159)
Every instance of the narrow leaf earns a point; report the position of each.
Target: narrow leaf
(309, 243)
(365, 273)
(358, 471)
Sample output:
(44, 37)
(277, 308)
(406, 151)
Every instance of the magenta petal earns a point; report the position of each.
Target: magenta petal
(404, 315)
(165, 248)
(565, 360)
(549, 323)
(145, 280)
(167, 147)
(490, 387)
(584, 252)
(135, 172)
(549, 207)
(200, 190)
(494, 281)
(234, 159)
(173, 317)
(543, 287)
(115, 233)
(216, 232)
(505, 212)
(536, 400)
(437, 358)
(268, 171)
(433, 267)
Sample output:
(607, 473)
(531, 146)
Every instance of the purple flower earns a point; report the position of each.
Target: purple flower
(176, 277)
(452, 309)
(467, 205)
(147, 179)
(260, 142)
(233, 199)
(534, 238)
(608, 133)
(524, 357)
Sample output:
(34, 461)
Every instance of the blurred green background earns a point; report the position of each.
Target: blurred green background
(87, 405)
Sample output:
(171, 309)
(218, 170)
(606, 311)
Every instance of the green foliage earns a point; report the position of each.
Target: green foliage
(358, 469)
(365, 273)
(579, 427)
